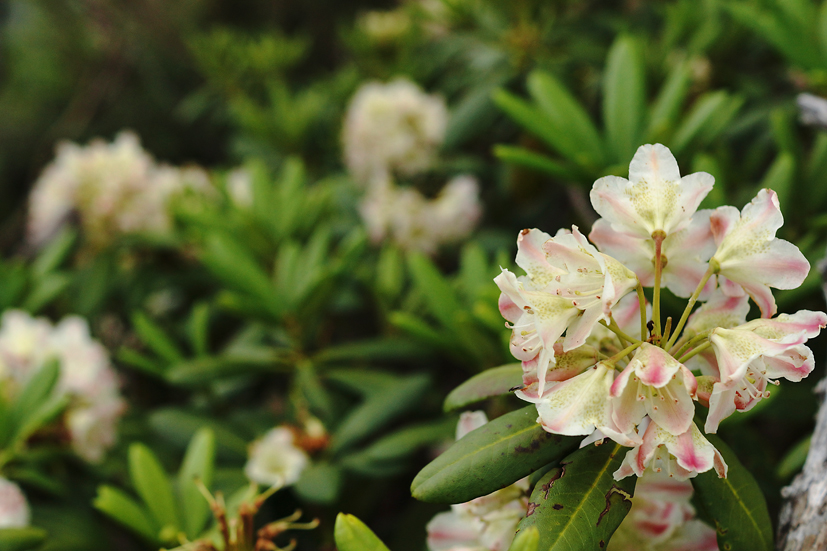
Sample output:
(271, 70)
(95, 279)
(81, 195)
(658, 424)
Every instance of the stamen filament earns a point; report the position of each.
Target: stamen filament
(695, 351)
(713, 269)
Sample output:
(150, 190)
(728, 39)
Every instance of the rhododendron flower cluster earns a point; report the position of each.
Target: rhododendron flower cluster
(394, 131)
(86, 376)
(662, 518)
(487, 523)
(113, 188)
(596, 363)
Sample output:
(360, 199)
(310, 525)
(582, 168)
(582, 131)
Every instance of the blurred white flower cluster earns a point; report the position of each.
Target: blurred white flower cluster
(487, 523)
(86, 376)
(280, 456)
(112, 188)
(14, 509)
(395, 130)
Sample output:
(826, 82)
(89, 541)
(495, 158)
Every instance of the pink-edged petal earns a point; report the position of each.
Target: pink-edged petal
(579, 405)
(627, 410)
(634, 252)
(719, 311)
(721, 406)
(735, 349)
(722, 220)
(694, 536)
(654, 366)
(729, 288)
(532, 258)
(804, 321)
(510, 287)
(693, 188)
(609, 198)
(450, 531)
(508, 308)
(581, 328)
(672, 409)
(638, 458)
(694, 452)
(469, 421)
(794, 364)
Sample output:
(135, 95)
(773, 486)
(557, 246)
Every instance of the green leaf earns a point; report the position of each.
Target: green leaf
(21, 539)
(526, 540)
(55, 252)
(126, 511)
(441, 299)
(140, 361)
(202, 371)
(490, 458)
(156, 338)
(781, 178)
(577, 138)
(529, 117)
(668, 104)
(238, 269)
(489, 383)
(179, 426)
(151, 482)
(388, 348)
(624, 89)
(379, 410)
(536, 161)
(794, 459)
(352, 535)
(46, 289)
(735, 504)
(35, 395)
(320, 483)
(198, 328)
(386, 454)
(198, 463)
(579, 505)
(706, 115)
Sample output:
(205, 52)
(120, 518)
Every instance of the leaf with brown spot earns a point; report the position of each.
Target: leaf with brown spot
(581, 507)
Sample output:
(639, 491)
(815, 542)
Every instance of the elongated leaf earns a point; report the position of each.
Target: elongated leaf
(703, 112)
(668, 104)
(124, 510)
(536, 161)
(55, 252)
(577, 137)
(352, 535)
(735, 504)
(490, 458)
(379, 410)
(528, 116)
(202, 371)
(320, 483)
(387, 454)
(579, 505)
(198, 328)
(794, 459)
(198, 463)
(373, 349)
(178, 426)
(21, 539)
(151, 483)
(34, 396)
(156, 338)
(624, 89)
(440, 297)
(489, 383)
(526, 540)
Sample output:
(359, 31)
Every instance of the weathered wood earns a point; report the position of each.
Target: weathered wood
(802, 524)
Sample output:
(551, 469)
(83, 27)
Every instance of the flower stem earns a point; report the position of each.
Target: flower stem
(713, 269)
(694, 351)
(641, 298)
(690, 342)
(658, 236)
(666, 328)
(619, 332)
(620, 355)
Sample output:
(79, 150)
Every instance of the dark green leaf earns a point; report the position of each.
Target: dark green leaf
(352, 535)
(735, 504)
(577, 138)
(667, 106)
(319, 483)
(794, 459)
(380, 409)
(21, 539)
(151, 482)
(489, 383)
(579, 505)
(201, 371)
(179, 426)
(624, 89)
(124, 510)
(374, 349)
(198, 463)
(528, 116)
(490, 458)
(536, 161)
(155, 338)
(441, 299)
(35, 395)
